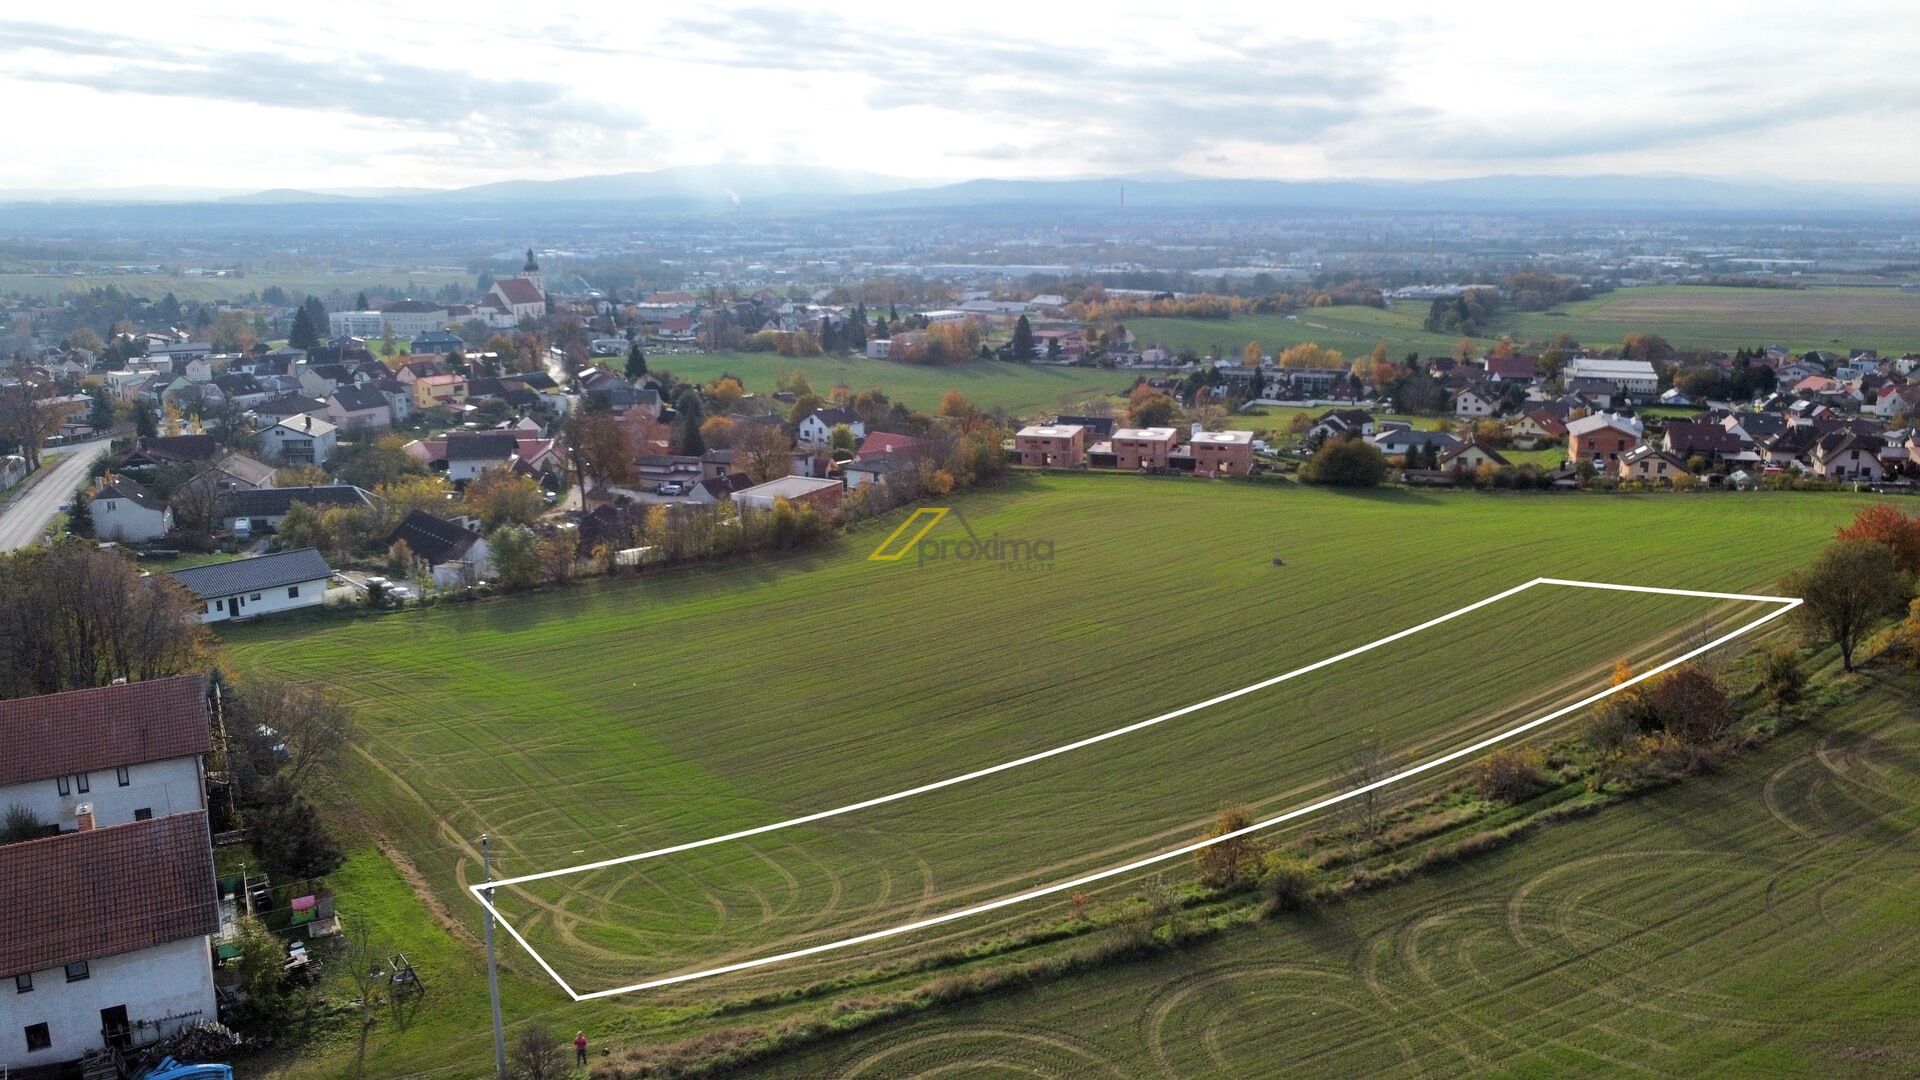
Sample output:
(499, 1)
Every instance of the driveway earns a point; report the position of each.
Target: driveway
(25, 518)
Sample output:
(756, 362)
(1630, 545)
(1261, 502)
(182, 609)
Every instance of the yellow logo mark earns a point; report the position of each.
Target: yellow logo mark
(926, 516)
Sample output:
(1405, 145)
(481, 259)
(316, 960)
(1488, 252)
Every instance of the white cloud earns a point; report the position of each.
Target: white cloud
(357, 94)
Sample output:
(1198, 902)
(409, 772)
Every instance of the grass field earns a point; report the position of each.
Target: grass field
(1757, 922)
(1021, 389)
(607, 718)
(296, 283)
(1836, 319)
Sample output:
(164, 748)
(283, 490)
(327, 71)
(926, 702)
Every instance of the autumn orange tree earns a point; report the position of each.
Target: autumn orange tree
(1310, 354)
(1883, 524)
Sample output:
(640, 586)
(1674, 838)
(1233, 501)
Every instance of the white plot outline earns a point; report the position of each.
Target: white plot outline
(482, 891)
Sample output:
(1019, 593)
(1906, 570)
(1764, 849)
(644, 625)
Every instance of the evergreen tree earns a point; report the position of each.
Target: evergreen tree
(893, 314)
(1023, 340)
(80, 517)
(317, 311)
(170, 309)
(880, 332)
(636, 361)
(361, 304)
(145, 424)
(857, 329)
(828, 343)
(302, 335)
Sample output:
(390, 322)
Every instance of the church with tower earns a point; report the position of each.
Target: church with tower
(515, 298)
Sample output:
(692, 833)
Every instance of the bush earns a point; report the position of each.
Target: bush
(1511, 774)
(1221, 864)
(1783, 677)
(1346, 463)
(1286, 883)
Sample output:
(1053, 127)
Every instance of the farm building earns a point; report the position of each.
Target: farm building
(822, 494)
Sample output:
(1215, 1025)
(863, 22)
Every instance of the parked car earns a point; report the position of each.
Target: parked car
(671, 487)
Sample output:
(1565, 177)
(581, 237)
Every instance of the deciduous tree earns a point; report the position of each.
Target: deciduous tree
(1850, 587)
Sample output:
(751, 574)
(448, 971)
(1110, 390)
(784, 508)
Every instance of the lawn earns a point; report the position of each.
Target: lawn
(1756, 922)
(1836, 319)
(607, 718)
(1021, 389)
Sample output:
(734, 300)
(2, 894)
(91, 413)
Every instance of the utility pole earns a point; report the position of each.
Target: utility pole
(493, 970)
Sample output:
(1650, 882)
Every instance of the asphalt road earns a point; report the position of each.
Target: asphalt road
(23, 519)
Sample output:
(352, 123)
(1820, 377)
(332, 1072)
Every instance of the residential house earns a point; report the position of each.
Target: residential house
(820, 493)
(439, 391)
(1144, 448)
(1221, 453)
(436, 343)
(1894, 400)
(172, 449)
(126, 752)
(1399, 441)
(879, 469)
(1536, 428)
(882, 443)
(359, 408)
(816, 428)
(454, 550)
(1477, 400)
(1651, 464)
(1599, 439)
(1510, 369)
(1051, 446)
(300, 440)
(1704, 439)
(106, 939)
(1100, 427)
(718, 489)
(289, 406)
(470, 453)
(1469, 456)
(1341, 424)
(235, 472)
(125, 511)
(1844, 455)
(263, 585)
(250, 512)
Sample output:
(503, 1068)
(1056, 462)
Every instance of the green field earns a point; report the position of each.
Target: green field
(1836, 319)
(614, 716)
(1021, 389)
(1757, 922)
(297, 283)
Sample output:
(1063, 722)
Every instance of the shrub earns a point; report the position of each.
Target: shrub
(1221, 864)
(1346, 463)
(1783, 677)
(1286, 883)
(1689, 702)
(1511, 774)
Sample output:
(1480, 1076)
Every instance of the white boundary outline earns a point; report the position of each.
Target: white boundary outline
(482, 892)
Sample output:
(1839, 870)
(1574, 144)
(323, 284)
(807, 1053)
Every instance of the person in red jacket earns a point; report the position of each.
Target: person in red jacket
(580, 1047)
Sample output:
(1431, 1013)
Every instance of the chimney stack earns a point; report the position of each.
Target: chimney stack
(83, 817)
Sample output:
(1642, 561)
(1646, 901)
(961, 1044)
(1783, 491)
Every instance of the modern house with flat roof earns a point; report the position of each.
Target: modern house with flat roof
(1221, 453)
(1052, 446)
(1144, 448)
(822, 494)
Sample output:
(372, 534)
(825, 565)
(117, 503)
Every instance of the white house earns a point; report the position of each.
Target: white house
(107, 921)
(359, 408)
(300, 440)
(265, 585)
(454, 551)
(1475, 401)
(816, 428)
(123, 510)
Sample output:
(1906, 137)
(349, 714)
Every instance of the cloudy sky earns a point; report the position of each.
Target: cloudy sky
(350, 94)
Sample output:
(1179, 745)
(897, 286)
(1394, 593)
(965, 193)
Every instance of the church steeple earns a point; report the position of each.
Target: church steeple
(532, 273)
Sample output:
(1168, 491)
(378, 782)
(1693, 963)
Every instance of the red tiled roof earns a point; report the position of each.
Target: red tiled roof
(85, 895)
(885, 442)
(86, 730)
(519, 291)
